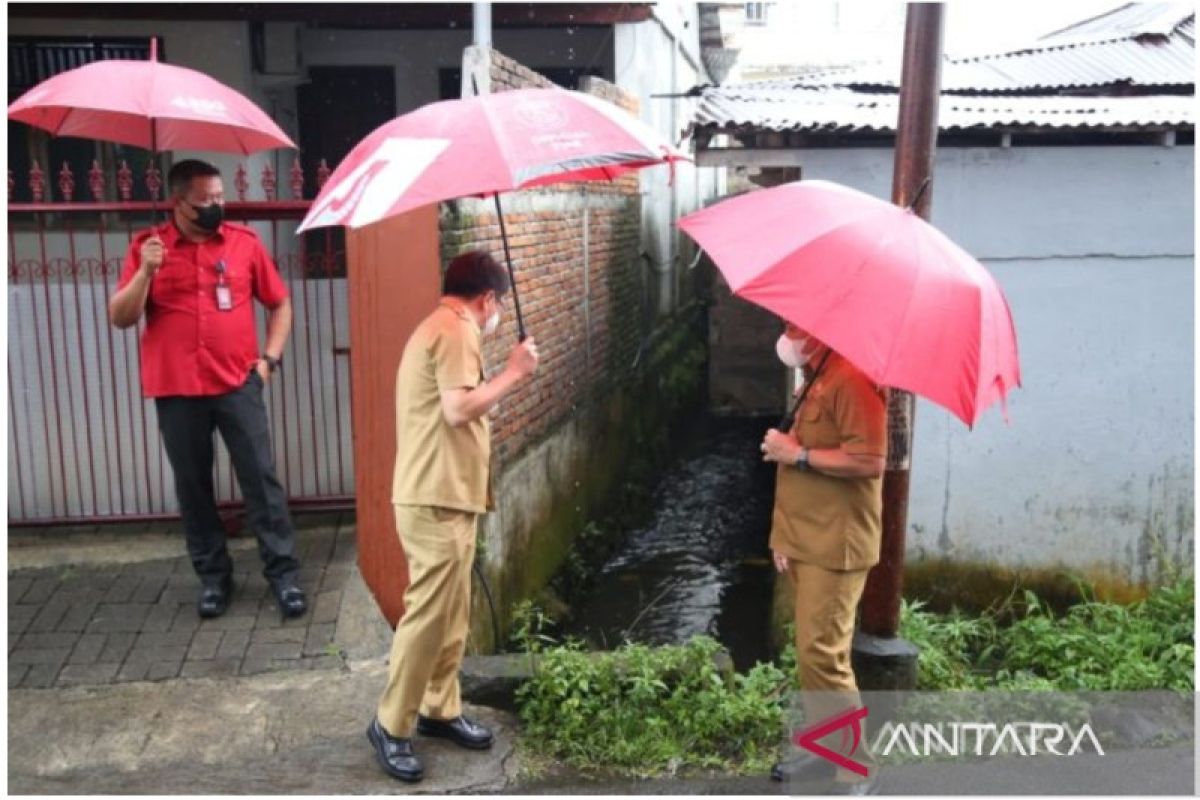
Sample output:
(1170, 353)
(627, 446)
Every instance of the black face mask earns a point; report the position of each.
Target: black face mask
(208, 218)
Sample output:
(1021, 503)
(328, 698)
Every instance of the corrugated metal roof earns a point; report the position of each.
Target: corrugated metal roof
(785, 108)
(1128, 21)
(1151, 47)
(1148, 46)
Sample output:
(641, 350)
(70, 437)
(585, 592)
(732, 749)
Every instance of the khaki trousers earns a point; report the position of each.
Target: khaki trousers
(826, 602)
(428, 646)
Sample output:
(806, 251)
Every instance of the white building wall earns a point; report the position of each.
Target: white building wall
(657, 59)
(1094, 249)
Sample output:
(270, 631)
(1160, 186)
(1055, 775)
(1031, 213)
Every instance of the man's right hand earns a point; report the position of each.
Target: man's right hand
(152, 255)
(523, 358)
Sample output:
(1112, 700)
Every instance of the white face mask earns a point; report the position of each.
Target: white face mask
(791, 351)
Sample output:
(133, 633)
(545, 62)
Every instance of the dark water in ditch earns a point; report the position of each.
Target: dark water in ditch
(701, 564)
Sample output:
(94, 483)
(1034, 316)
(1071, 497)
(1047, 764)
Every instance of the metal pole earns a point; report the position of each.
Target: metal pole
(511, 275)
(916, 140)
(481, 18)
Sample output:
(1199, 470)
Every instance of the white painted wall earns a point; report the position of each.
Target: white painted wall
(1094, 249)
(662, 57)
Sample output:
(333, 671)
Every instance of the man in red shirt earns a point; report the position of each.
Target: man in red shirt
(195, 278)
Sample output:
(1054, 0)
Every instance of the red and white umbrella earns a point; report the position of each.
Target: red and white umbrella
(481, 146)
(148, 104)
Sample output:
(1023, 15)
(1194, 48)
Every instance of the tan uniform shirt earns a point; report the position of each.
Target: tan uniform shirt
(835, 523)
(437, 464)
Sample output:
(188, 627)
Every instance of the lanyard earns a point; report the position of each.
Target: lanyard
(785, 424)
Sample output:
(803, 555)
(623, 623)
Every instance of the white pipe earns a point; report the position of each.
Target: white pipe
(481, 18)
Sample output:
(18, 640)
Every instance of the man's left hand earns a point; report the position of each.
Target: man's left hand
(264, 370)
(780, 447)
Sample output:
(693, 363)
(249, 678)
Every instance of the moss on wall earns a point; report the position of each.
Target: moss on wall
(629, 433)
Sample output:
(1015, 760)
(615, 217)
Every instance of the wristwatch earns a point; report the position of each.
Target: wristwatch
(272, 363)
(801, 462)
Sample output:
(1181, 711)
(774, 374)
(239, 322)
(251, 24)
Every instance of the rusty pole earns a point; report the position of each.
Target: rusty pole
(916, 141)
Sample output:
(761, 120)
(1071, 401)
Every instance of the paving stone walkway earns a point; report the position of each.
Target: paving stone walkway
(103, 624)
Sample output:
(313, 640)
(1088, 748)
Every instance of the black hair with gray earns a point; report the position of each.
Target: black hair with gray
(471, 274)
(179, 179)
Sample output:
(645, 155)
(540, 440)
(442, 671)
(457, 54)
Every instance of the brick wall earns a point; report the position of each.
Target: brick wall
(588, 327)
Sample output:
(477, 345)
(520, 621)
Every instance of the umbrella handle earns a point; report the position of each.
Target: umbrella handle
(153, 158)
(511, 275)
(920, 193)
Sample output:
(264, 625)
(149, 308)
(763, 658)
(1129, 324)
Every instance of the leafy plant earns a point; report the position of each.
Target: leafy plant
(1092, 646)
(646, 710)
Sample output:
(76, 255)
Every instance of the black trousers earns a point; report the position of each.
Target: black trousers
(187, 425)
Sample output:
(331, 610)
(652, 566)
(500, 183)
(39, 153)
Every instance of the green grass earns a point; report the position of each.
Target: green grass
(647, 711)
(1091, 646)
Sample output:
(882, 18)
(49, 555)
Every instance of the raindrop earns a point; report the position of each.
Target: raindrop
(570, 54)
(453, 23)
(531, 13)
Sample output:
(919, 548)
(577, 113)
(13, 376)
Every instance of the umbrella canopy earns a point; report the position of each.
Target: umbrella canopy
(148, 104)
(484, 145)
(875, 282)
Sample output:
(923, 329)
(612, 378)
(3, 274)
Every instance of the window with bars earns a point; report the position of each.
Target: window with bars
(757, 13)
(32, 60)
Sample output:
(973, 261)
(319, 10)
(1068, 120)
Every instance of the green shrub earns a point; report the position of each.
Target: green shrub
(645, 710)
(1093, 646)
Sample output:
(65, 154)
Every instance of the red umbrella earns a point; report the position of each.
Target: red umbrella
(875, 282)
(481, 146)
(148, 104)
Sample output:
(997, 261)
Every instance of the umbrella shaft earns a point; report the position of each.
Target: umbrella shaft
(511, 276)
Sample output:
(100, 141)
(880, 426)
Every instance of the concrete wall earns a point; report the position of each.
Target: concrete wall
(655, 58)
(1093, 247)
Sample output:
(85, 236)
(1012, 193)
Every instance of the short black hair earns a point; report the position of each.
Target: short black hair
(181, 174)
(473, 273)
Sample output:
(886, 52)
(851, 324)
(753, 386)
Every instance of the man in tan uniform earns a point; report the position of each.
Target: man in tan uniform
(441, 485)
(827, 523)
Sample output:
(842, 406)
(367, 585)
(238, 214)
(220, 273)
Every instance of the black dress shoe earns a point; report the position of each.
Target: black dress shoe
(290, 597)
(803, 767)
(214, 598)
(396, 756)
(459, 730)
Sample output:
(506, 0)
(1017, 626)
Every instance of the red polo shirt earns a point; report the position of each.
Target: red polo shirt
(190, 347)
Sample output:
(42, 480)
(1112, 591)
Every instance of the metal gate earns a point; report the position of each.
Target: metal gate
(83, 444)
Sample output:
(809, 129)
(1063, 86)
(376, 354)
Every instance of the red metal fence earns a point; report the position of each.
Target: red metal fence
(83, 442)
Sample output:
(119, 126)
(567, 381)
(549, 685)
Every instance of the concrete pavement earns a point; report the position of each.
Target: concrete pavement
(286, 710)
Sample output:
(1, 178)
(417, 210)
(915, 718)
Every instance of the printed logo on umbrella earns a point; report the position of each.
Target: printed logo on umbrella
(367, 192)
(541, 115)
(200, 105)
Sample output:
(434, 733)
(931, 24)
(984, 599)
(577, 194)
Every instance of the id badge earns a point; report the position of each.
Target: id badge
(224, 298)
